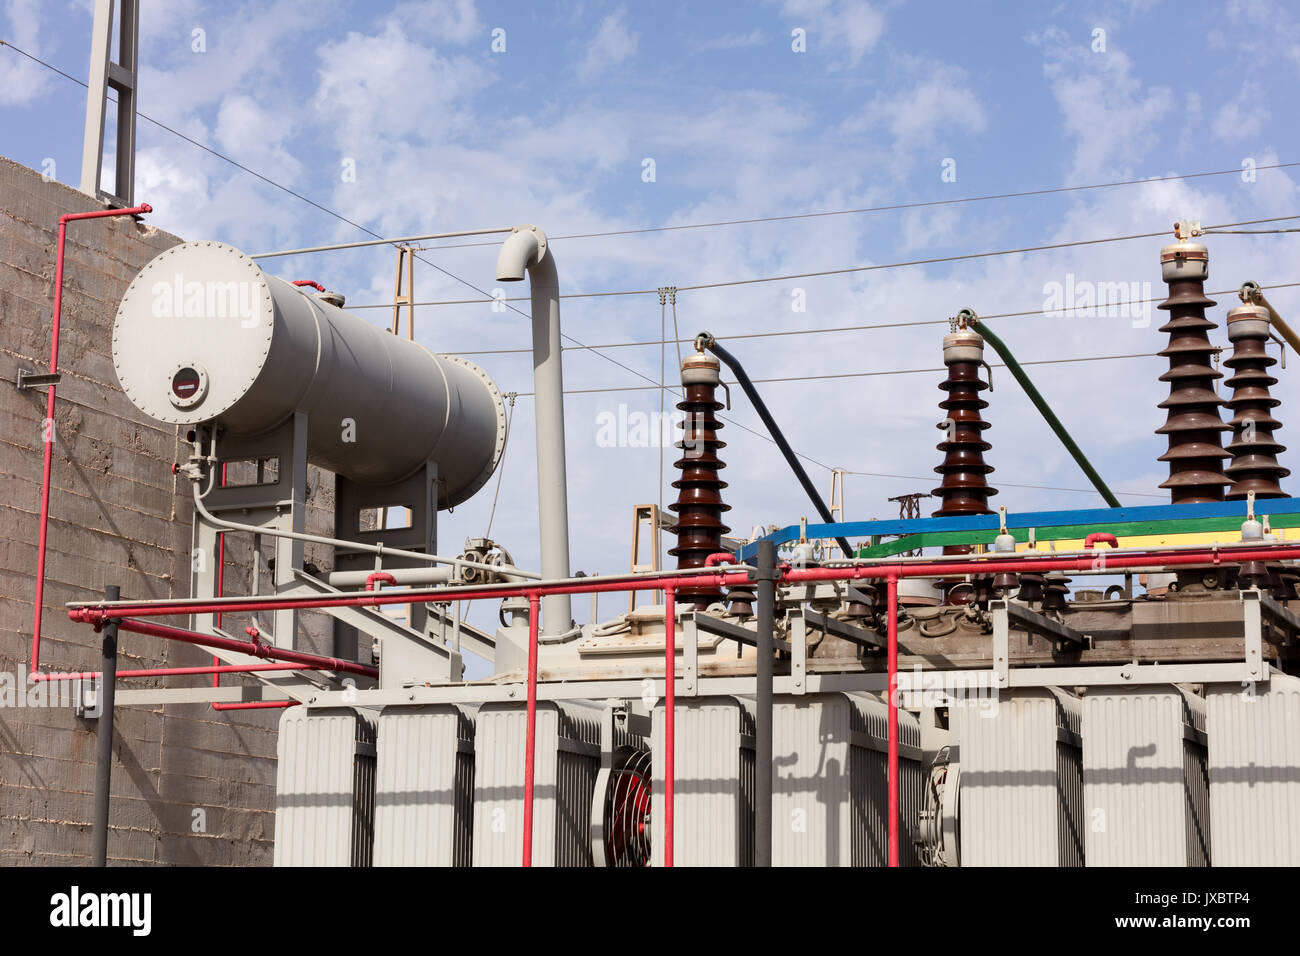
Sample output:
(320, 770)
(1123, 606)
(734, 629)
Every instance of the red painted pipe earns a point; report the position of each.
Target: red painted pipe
(670, 709)
(1234, 554)
(41, 537)
(311, 282)
(257, 705)
(180, 671)
(892, 617)
(1105, 537)
(256, 649)
(530, 738)
(383, 576)
(719, 557)
(93, 614)
(221, 583)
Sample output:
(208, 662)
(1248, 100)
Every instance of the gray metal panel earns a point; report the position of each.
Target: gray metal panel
(1196, 775)
(1021, 779)
(830, 795)
(713, 806)
(1254, 756)
(567, 761)
(424, 791)
(325, 786)
(1144, 777)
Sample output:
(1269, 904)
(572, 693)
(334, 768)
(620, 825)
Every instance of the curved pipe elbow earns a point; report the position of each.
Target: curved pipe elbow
(524, 248)
(382, 577)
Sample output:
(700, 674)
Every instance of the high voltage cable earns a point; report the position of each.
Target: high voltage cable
(863, 328)
(840, 375)
(887, 208)
(847, 270)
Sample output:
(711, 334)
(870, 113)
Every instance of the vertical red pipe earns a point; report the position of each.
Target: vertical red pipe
(47, 428)
(48, 424)
(530, 741)
(221, 581)
(670, 705)
(892, 581)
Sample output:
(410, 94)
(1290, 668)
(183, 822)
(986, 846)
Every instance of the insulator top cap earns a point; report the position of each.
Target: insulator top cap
(700, 369)
(1184, 260)
(964, 345)
(1248, 321)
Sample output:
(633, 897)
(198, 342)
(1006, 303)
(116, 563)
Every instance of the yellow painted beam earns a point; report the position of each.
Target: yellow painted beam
(1151, 540)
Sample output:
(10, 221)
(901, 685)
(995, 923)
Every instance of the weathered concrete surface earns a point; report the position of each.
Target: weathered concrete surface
(117, 516)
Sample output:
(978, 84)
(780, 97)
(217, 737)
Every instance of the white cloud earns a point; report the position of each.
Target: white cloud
(450, 21)
(390, 83)
(21, 80)
(613, 44)
(939, 99)
(849, 26)
(256, 135)
(1242, 117)
(734, 41)
(1109, 112)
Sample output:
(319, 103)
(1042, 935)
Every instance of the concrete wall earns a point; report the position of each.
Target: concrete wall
(117, 516)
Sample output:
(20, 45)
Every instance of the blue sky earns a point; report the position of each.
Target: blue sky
(444, 133)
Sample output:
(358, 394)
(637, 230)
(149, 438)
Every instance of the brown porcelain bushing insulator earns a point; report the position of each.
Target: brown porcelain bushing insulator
(1254, 450)
(965, 489)
(1193, 425)
(699, 504)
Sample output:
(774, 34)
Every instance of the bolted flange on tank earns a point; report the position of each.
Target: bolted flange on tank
(204, 336)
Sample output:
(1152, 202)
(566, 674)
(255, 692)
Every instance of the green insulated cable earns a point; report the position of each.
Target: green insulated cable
(1040, 403)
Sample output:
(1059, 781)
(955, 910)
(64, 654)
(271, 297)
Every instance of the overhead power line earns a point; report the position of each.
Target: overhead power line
(1050, 313)
(849, 270)
(886, 208)
(655, 386)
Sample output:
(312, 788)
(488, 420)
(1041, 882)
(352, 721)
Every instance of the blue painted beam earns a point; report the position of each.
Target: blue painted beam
(1030, 519)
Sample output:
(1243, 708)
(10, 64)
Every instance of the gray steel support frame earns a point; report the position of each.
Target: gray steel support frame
(408, 656)
(417, 492)
(279, 505)
(1007, 613)
(121, 76)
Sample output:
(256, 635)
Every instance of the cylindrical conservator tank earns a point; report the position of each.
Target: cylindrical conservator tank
(203, 335)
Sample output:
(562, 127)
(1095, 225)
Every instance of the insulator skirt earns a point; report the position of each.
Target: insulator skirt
(1193, 424)
(699, 505)
(1254, 466)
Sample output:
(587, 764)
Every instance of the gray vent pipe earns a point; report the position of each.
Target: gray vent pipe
(526, 249)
